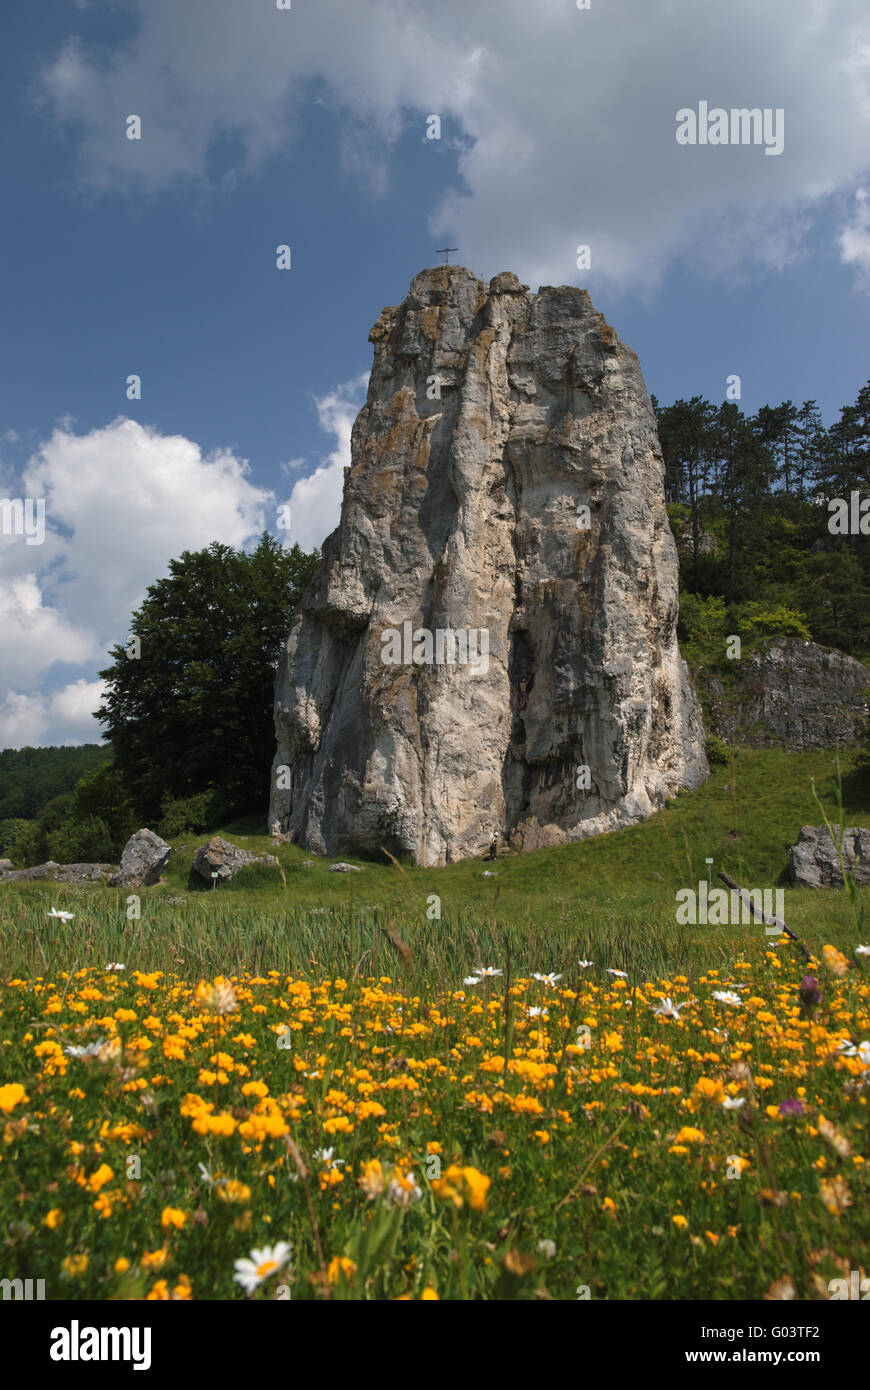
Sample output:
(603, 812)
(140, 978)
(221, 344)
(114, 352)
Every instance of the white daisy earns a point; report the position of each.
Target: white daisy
(733, 1102)
(728, 996)
(666, 1009)
(487, 972)
(860, 1050)
(251, 1273)
(862, 950)
(585, 964)
(620, 974)
(61, 916)
(92, 1050)
(535, 1012)
(547, 1248)
(471, 980)
(114, 965)
(401, 1193)
(325, 1157)
(547, 979)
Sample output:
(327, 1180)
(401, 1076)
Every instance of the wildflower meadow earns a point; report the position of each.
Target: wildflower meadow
(596, 1131)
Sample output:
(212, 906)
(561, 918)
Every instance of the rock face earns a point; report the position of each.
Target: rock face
(225, 859)
(143, 860)
(497, 608)
(60, 873)
(816, 864)
(791, 694)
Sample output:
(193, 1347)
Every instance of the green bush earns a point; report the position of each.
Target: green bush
(191, 815)
(85, 841)
(718, 753)
(11, 831)
(757, 619)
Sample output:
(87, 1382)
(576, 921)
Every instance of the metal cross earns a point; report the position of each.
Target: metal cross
(445, 251)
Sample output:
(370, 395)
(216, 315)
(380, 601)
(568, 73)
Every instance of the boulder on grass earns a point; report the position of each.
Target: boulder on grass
(816, 864)
(143, 860)
(225, 859)
(342, 868)
(60, 873)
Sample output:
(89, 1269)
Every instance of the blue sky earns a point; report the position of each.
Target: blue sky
(308, 127)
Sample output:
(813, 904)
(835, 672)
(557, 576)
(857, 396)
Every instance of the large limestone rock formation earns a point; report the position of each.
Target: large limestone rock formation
(506, 491)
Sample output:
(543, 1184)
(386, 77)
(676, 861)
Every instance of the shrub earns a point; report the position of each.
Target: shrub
(86, 841)
(191, 815)
(718, 752)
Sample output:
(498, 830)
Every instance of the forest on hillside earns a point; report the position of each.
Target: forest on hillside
(752, 502)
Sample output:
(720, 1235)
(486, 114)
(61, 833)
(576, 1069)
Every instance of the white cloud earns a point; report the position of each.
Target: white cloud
(36, 637)
(120, 502)
(315, 502)
(64, 717)
(855, 237)
(132, 499)
(565, 118)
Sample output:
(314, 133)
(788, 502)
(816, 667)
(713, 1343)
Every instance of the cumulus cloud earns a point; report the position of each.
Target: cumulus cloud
(315, 502)
(65, 717)
(855, 238)
(564, 119)
(120, 502)
(36, 637)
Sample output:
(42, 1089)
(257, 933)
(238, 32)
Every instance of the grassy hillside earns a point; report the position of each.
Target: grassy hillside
(612, 897)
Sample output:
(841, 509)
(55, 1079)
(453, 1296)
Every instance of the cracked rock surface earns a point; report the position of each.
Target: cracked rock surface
(506, 490)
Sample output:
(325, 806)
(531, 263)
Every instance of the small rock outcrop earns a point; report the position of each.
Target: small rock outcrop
(60, 873)
(225, 859)
(490, 639)
(816, 864)
(143, 860)
(789, 694)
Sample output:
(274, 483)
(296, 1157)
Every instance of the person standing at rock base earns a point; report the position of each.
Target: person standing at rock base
(493, 846)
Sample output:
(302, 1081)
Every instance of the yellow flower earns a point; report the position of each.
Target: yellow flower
(173, 1216)
(338, 1266)
(99, 1179)
(147, 981)
(680, 1222)
(219, 997)
(233, 1191)
(12, 1095)
(53, 1218)
(429, 1295)
(74, 1265)
(836, 962)
(121, 1265)
(687, 1135)
(372, 1180)
(708, 1089)
(153, 1259)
